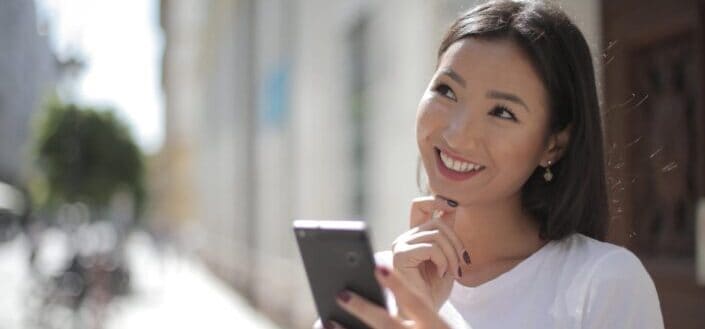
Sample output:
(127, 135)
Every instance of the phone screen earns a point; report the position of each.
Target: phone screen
(337, 255)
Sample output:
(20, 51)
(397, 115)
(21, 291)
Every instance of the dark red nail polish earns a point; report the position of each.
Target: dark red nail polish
(460, 272)
(344, 296)
(452, 203)
(466, 257)
(328, 325)
(383, 270)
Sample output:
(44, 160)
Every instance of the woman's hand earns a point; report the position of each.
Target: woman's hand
(428, 256)
(420, 315)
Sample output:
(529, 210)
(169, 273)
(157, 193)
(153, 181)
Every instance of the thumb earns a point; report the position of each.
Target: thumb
(447, 217)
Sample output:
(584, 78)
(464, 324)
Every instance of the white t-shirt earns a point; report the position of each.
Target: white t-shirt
(577, 282)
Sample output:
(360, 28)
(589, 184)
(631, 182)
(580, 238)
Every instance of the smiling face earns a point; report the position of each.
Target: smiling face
(482, 124)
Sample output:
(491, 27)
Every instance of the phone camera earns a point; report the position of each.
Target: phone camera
(352, 258)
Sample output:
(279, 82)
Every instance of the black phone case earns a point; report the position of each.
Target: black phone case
(338, 259)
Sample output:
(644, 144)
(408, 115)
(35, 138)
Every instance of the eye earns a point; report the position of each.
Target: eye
(444, 90)
(503, 112)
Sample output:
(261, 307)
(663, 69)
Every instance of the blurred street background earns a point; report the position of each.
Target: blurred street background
(154, 153)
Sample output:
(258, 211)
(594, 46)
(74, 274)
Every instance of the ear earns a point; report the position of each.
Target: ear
(556, 146)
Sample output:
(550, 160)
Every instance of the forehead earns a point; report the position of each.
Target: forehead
(495, 64)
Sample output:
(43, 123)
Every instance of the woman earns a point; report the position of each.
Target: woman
(510, 136)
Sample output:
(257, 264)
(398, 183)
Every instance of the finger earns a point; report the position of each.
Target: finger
(408, 299)
(447, 230)
(327, 325)
(412, 255)
(372, 315)
(426, 225)
(437, 237)
(422, 209)
(318, 324)
(335, 325)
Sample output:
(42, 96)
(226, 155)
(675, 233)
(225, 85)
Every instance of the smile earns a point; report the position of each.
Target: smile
(454, 168)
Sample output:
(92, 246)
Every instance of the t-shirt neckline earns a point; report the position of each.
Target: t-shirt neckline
(507, 277)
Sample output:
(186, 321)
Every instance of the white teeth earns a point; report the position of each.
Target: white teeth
(459, 166)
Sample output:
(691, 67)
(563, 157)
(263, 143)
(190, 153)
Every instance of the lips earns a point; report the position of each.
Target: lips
(454, 167)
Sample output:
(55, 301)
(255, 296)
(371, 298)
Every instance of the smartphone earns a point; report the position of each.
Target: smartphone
(337, 256)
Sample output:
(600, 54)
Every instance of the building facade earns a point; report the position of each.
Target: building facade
(29, 72)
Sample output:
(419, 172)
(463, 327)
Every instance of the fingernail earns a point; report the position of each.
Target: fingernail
(452, 203)
(344, 296)
(460, 272)
(383, 270)
(328, 325)
(466, 257)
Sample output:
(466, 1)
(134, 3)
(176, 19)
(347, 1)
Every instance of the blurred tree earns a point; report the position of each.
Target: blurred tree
(87, 155)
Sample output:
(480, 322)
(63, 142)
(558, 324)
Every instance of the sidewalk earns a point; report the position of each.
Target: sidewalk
(169, 290)
(173, 291)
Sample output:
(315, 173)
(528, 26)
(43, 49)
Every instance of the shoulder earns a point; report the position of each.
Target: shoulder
(617, 289)
(586, 248)
(605, 261)
(583, 256)
(620, 264)
(599, 264)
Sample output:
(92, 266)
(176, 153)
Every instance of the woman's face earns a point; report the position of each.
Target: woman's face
(485, 107)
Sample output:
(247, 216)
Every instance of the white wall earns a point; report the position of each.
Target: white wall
(320, 135)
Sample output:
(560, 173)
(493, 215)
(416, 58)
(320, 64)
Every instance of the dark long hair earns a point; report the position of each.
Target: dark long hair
(576, 199)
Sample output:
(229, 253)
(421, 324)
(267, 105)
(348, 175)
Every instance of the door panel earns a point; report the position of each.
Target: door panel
(654, 121)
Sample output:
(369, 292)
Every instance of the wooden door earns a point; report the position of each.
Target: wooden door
(655, 118)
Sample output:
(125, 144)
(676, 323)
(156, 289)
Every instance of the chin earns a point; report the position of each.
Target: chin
(447, 192)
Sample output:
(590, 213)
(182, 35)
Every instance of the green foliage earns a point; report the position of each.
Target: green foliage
(85, 155)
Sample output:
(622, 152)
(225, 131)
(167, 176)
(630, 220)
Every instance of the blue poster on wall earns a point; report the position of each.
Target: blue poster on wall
(275, 96)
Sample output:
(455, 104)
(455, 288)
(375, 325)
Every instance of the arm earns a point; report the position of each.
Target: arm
(621, 294)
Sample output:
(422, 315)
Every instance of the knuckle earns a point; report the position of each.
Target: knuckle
(400, 256)
(396, 254)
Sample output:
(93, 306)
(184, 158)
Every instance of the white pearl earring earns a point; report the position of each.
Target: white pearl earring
(548, 175)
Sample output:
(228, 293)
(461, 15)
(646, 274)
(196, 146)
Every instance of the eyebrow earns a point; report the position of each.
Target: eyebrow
(455, 76)
(506, 96)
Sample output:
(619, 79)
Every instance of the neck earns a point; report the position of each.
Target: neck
(498, 231)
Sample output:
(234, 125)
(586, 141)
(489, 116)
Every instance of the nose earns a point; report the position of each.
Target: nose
(463, 131)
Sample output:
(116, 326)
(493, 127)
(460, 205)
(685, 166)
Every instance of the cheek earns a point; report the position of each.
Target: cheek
(518, 154)
(429, 118)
